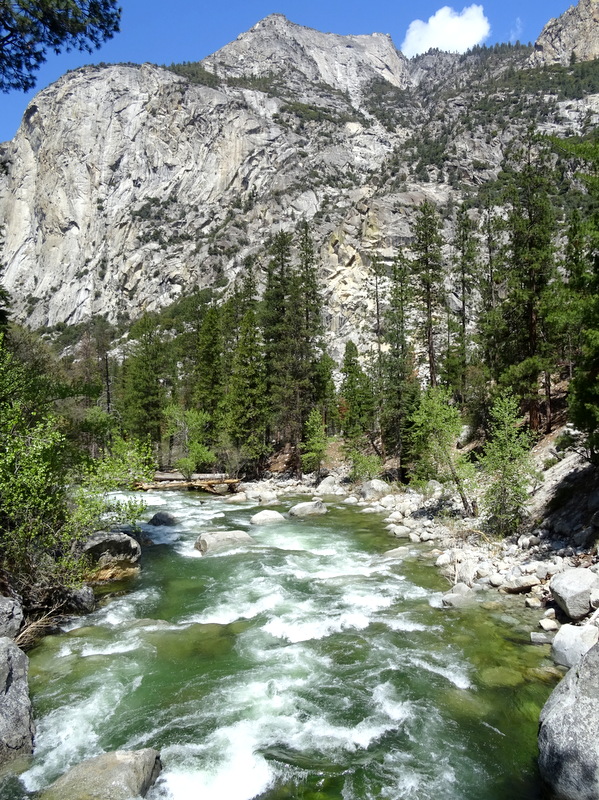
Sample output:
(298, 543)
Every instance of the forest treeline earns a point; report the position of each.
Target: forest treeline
(487, 329)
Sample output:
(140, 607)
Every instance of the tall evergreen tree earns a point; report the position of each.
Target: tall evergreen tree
(399, 375)
(427, 269)
(357, 400)
(467, 272)
(144, 382)
(247, 407)
(529, 270)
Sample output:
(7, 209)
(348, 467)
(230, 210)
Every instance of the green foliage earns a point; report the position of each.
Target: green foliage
(49, 499)
(357, 399)
(364, 466)
(506, 462)
(436, 427)
(427, 268)
(189, 432)
(315, 442)
(195, 73)
(28, 30)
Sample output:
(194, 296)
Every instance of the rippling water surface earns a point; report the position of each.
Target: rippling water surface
(308, 665)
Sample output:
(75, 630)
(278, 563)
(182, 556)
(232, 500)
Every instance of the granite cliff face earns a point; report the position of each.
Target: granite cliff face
(127, 185)
(574, 34)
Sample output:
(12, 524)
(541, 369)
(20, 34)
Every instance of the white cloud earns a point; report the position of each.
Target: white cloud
(516, 31)
(447, 30)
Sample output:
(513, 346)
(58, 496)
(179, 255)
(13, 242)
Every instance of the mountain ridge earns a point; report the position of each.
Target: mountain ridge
(128, 186)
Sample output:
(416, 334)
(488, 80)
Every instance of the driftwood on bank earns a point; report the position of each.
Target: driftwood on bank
(212, 484)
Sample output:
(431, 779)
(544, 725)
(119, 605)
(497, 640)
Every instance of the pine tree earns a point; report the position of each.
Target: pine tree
(399, 375)
(315, 442)
(526, 351)
(437, 425)
(507, 464)
(144, 386)
(208, 367)
(426, 265)
(467, 270)
(247, 407)
(357, 400)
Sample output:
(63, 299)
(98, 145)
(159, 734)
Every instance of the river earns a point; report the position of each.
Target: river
(308, 665)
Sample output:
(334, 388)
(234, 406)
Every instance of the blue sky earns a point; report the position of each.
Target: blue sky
(187, 30)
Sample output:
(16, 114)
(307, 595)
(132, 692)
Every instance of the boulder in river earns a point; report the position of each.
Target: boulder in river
(217, 541)
(163, 518)
(11, 617)
(309, 509)
(267, 516)
(572, 590)
(106, 548)
(568, 742)
(572, 642)
(120, 775)
(114, 555)
(16, 720)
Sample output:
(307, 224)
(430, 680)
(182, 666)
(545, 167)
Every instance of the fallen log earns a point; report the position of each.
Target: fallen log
(209, 486)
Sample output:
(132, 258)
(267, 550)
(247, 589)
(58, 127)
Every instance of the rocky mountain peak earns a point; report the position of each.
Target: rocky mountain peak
(276, 46)
(574, 34)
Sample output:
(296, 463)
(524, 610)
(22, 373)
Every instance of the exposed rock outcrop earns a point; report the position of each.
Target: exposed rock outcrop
(127, 186)
(573, 35)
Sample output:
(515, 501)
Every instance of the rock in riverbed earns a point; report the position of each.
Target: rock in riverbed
(16, 720)
(217, 541)
(568, 742)
(310, 509)
(111, 776)
(266, 516)
(572, 591)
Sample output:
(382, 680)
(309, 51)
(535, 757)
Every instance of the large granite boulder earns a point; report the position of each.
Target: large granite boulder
(572, 642)
(572, 590)
(114, 555)
(16, 720)
(568, 741)
(217, 541)
(121, 775)
(11, 617)
(266, 517)
(309, 509)
(105, 548)
(328, 485)
(372, 490)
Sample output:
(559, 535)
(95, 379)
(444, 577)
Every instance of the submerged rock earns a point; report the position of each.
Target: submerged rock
(216, 541)
(568, 742)
(16, 720)
(120, 775)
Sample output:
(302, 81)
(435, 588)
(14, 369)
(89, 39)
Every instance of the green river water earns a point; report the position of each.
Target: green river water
(308, 665)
